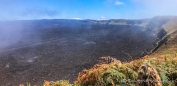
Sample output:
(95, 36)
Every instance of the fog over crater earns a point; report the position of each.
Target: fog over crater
(37, 50)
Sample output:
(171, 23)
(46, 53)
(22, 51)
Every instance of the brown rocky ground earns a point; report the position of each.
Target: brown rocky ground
(61, 52)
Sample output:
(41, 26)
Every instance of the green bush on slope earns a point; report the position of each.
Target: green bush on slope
(117, 73)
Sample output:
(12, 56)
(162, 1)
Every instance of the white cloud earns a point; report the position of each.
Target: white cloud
(113, 2)
(102, 17)
(119, 3)
(76, 18)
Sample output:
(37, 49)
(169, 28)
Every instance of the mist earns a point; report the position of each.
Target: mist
(37, 48)
(10, 33)
(15, 34)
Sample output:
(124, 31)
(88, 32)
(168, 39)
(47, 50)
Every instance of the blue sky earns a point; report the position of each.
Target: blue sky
(85, 9)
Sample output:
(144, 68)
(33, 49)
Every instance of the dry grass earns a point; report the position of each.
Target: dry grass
(57, 83)
(148, 76)
(155, 70)
(161, 68)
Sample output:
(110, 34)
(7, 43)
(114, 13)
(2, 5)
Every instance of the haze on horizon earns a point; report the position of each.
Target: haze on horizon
(85, 9)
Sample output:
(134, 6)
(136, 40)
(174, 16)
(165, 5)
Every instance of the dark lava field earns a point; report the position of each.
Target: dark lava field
(37, 50)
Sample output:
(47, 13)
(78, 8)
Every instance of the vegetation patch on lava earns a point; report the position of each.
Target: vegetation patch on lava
(152, 70)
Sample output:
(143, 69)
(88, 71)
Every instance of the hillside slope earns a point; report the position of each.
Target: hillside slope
(160, 66)
(59, 49)
(168, 42)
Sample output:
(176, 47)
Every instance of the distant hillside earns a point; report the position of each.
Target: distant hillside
(169, 38)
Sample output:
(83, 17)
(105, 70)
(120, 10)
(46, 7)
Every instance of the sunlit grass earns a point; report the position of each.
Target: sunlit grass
(117, 73)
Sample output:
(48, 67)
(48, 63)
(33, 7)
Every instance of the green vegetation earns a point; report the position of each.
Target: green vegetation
(117, 73)
(160, 68)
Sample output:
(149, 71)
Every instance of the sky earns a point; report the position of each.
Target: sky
(85, 9)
